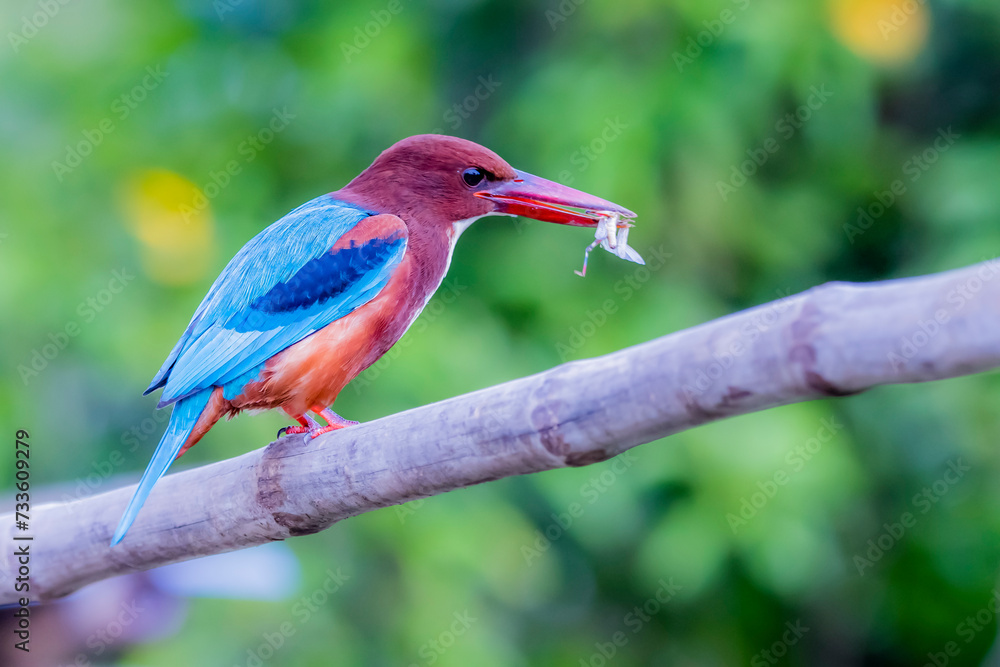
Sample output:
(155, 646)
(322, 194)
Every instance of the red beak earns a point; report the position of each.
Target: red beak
(540, 199)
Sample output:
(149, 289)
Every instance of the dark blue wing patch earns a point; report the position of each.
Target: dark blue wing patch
(327, 276)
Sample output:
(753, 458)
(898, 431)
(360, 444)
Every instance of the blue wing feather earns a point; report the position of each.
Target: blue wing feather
(282, 286)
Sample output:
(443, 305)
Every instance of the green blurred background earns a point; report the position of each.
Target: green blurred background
(153, 139)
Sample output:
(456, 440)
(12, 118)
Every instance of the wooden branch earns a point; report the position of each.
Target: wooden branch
(833, 340)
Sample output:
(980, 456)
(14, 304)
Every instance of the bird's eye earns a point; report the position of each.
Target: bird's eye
(473, 176)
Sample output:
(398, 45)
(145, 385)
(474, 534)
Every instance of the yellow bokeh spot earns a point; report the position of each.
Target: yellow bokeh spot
(884, 31)
(172, 219)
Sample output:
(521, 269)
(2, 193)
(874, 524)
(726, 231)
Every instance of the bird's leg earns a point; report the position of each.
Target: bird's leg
(308, 425)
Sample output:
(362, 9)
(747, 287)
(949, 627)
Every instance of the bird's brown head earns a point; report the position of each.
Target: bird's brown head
(438, 179)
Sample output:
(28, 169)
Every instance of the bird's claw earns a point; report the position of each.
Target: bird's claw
(312, 432)
(291, 430)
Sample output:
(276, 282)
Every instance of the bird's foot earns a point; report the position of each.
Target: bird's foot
(308, 424)
(313, 428)
(323, 429)
(335, 420)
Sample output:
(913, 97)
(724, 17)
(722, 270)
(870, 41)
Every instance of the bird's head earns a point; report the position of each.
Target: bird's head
(444, 180)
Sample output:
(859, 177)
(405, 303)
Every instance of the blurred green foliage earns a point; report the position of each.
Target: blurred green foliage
(750, 137)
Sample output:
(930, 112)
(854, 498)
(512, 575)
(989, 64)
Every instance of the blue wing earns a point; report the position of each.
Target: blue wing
(282, 286)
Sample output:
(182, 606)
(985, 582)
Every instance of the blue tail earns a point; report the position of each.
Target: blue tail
(182, 421)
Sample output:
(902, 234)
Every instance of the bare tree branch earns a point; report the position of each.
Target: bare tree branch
(833, 340)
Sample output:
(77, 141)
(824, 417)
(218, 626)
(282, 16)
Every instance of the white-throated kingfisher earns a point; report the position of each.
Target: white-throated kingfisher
(321, 294)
